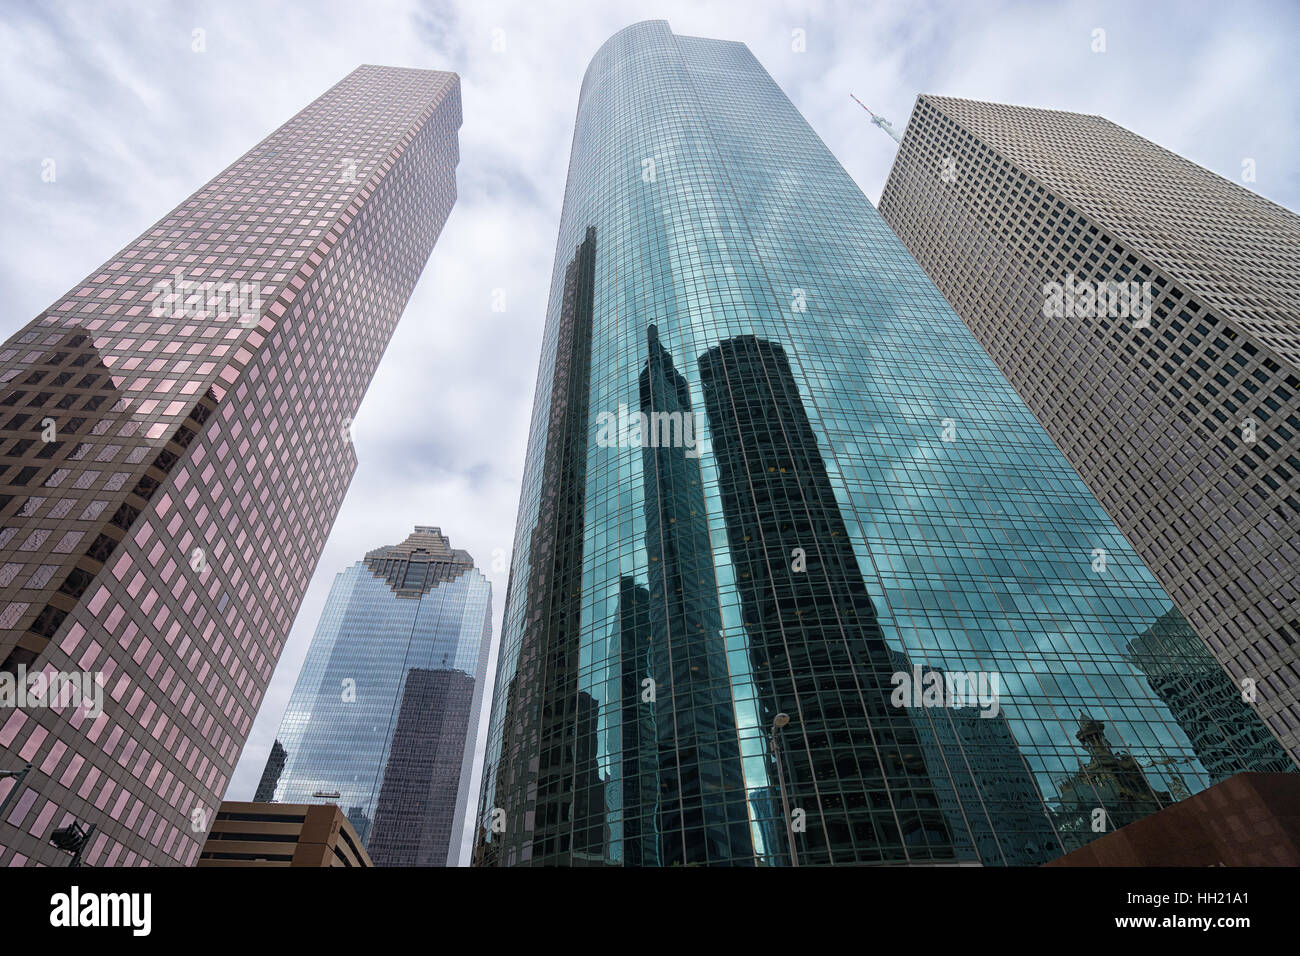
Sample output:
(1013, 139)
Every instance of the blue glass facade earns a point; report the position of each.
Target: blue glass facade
(385, 711)
(827, 492)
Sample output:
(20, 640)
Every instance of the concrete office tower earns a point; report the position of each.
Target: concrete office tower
(385, 713)
(768, 463)
(1182, 416)
(174, 447)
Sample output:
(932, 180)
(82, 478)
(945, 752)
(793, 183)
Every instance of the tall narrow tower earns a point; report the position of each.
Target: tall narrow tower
(174, 446)
(771, 473)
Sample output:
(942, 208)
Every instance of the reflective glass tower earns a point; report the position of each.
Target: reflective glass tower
(385, 713)
(771, 472)
(174, 447)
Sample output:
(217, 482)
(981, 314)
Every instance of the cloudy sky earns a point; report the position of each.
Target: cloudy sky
(135, 120)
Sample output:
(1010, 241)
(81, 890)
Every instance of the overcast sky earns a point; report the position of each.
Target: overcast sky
(136, 120)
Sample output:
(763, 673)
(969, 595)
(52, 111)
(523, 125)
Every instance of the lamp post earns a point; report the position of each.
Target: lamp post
(13, 792)
(72, 839)
(774, 744)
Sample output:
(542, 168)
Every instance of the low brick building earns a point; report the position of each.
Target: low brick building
(1250, 819)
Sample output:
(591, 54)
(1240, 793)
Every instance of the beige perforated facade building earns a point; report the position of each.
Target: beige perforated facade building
(1183, 419)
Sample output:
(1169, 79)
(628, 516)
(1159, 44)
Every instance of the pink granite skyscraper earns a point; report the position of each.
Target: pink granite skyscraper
(174, 446)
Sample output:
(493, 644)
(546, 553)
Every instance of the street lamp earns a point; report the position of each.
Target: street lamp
(774, 744)
(13, 791)
(72, 839)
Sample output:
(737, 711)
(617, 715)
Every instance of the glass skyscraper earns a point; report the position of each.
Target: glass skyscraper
(771, 472)
(385, 713)
(174, 446)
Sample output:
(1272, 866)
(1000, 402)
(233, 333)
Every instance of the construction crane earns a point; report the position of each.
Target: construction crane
(1176, 785)
(879, 121)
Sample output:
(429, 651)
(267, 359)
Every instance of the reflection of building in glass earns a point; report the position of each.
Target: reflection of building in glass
(383, 717)
(984, 785)
(422, 774)
(270, 775)
(1222, 728)
(863, 483)
(1109, 781)
(547, 719)
(590, 831)
(769, 821)
(814, 638)
(702, 814)
(171, 462)
(638, 742)
(360, 822)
